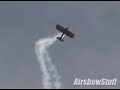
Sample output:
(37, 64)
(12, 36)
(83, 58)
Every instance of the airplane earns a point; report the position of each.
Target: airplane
(65, 32)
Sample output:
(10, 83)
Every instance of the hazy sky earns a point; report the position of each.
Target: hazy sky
(93, 53)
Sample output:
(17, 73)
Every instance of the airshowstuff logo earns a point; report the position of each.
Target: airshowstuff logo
(103, 81)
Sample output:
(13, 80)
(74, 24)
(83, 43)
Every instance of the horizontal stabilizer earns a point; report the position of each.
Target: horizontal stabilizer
(59, 38)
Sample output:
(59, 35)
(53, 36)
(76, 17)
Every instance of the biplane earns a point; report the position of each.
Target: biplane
(65, 32)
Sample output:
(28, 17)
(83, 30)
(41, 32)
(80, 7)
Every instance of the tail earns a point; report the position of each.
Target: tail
(59, 38)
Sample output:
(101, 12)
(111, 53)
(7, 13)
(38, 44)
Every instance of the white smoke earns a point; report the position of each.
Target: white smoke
(50, 77)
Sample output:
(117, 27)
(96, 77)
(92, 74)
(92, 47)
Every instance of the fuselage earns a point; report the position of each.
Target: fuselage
(63, 35)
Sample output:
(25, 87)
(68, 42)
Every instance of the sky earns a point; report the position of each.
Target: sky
(94, 52)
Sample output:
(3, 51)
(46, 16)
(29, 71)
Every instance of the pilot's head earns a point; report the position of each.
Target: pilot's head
(66, 28)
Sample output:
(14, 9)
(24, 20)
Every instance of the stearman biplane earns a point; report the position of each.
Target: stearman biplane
(65, 32)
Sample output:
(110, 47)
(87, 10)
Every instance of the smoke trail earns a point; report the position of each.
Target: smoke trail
(48, 69)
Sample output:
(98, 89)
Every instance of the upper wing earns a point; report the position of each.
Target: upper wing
(70, 34)
(60, 28)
